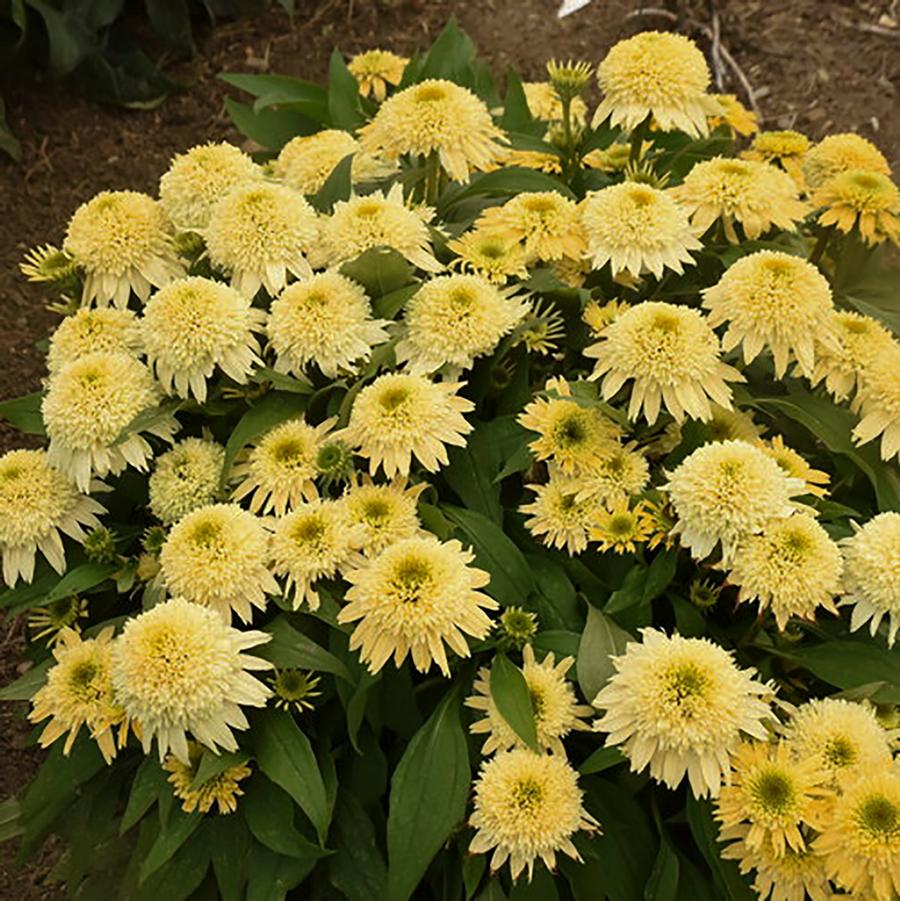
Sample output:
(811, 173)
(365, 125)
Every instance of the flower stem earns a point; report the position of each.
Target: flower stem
(821, 245)
(637, 141)
(432, 178)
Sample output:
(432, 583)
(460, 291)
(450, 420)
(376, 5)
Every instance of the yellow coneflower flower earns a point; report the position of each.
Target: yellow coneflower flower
(857, 340)
(293, 689)
(754, 194)
(379, 220)
(326, 320)
(839, 734)
(416, 598)
(775, 300)
(656, 74)
(88, 405)
(528, 159)
(725, 425)
(221, 789)
(636, 228)
(839, 153)
(791, 567)
(544, 103)
(570, 272)
(872, 574)
(279, 469)
(620, 473)
(770, 796)
(573, 437)
(79, 692)
(517, 628)
(184, 478)
(787, 148)
(541, 329)
(435, 116)
(553, 703)
(258, 234)
(453, 319)
(724, 491)
(867, 201)
(557, 517)
(735, 115)
(375, 70)
(795, 465)
(312, 542)
(56, 618)
(50, 265)
(194, 325)
(546, 222)
(123, 242)
(620, 528)
(792, 876)
(527, 807)
(671, 354)
(216, 556)
(879, 398)
(88, 331)
(681, 706)
(401, 416)
(597, 317)
(494, 258)
(386, 513)
(180, 668)
(37, 503)
(861, 841)
(305, 162)
(611, 159)
(197, 179)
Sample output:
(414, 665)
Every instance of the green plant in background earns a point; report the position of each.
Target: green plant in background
(95, 43)
(469, 498)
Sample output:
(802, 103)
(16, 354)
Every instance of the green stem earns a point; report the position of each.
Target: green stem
(432, 178)
(821, 245)
(637, 141)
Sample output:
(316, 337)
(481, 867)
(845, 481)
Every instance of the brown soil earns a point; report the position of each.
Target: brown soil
(815, 65)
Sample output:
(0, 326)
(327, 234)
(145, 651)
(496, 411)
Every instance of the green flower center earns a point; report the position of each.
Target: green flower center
(773, 791)
(571, 431)
(411, 576)
(839, 752)
(309, 530)
(376, 510)
(621, 525)
(393, 398)
(206, 534)
(685, 682)
(82, 675)
(879, 816)
(288, 450)
(527, 794)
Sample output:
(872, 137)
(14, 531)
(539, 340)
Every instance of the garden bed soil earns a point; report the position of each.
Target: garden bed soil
(818, 66)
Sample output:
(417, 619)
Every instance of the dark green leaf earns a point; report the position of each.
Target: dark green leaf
(428, 797)
(663, 882)
(291, 648)
(148, 782)
(602, 759)
(230, 845)
(271, 128)
(270, 815)
(388, 306)
(273, 875)
(24, 413)
(285, 755)
(338, 186)
(541, 887)
(344, 105)
(380, 270)
(176, 831)
(281, 381)
(504, 182)
(450, 56)
(731, 884)
(511, 579)
(80, 579)
(25, 687)
(180, 877)
(516, 114)
(10, 815)
(601, 640)
(357, 870)
(211, 764)
(510, 694)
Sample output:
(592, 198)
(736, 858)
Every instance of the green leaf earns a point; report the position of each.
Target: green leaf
(541, 887)
(177, 830)
(231, 845)
(511, 579)
(273, 875)
(285, 92)
(180, 876)
(380, 270)
(285, 755)
(149, 782)
(271, 128)
(291, 648)
(281, 381)
(450, 56)
(344, 105)
(24, 413)
(338, 186)
(10, 815)
(389, 305)
(516, 113)
(504, 182)
(663, 882)
(80, 579)
(510, 693)
(272, 410)
(850, 663)
(602, 759)
(429, 790)
(357, 870)
(270, 815)
(601, 640)
(211, 764)
(834, 425)
(26, 686)
(732, 885)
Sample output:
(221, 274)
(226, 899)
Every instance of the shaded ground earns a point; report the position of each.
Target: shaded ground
(815, 65)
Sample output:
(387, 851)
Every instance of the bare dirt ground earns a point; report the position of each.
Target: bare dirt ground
(814, 65)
